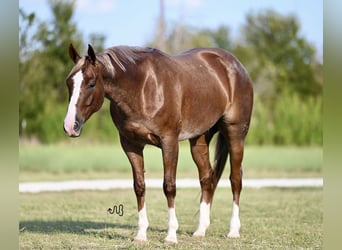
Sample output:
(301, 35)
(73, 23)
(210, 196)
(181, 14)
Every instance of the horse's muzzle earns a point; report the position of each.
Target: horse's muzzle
(75, 131)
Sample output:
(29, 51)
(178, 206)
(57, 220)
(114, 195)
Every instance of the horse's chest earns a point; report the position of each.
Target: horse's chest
(133, 125)
(138, 132)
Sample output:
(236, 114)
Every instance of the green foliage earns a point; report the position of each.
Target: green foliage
(212, 38)
(43, 68)
(287, 77)
(182, 37)
(298, 122)
(287, 81)
(100, 126)
(51, 120)
(290, 121)
(272, 40)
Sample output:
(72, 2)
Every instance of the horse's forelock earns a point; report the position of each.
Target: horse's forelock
(77, 67)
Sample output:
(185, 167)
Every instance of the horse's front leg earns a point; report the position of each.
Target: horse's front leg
(135, 155)
(170, 158)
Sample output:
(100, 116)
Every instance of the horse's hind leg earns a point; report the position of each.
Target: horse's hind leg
(235, 136)
(200, 154)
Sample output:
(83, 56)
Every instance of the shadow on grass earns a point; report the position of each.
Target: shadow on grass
(98, 229)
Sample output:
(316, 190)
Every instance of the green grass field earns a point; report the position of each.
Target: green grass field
(79, 160)
(271, 219)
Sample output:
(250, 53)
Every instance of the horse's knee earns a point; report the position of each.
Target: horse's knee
(208, 188)
(139, 188)
(207, 182)
(169, 188)
(235, 176)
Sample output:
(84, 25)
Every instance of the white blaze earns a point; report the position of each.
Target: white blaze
(69, 120)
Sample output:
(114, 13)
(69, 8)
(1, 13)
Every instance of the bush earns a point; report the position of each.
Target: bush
(49, 125)
(290, 120)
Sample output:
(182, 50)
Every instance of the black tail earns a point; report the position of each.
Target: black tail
(221, 155)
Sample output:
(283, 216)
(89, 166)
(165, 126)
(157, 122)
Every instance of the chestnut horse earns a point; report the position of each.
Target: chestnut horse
(159, 99)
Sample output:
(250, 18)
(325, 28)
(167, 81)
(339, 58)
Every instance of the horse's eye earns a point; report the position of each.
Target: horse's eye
(91, 85)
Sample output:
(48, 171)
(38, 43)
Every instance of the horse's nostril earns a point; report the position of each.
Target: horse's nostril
(76, 126)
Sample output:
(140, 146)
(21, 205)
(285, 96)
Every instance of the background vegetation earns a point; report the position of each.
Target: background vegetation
(80, 160)
(284, 67)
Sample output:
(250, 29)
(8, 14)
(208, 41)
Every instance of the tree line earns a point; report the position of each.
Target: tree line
(284, 67)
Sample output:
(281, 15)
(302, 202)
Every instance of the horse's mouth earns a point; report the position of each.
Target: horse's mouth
(76, 133)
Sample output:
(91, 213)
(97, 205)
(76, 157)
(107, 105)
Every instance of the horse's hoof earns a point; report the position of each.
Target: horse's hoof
(233, 234)
(198, 234)
(170, 240)
(140, 239)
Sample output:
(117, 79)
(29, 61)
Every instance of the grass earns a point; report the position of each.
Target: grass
(271, 219)
(85, 161)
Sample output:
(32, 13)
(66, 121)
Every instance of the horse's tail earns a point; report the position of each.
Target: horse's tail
(221, 155)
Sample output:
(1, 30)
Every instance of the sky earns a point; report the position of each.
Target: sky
(133, 22)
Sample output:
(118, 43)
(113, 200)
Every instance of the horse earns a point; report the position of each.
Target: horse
(159, 99)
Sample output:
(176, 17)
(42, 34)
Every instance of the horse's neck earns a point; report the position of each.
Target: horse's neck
(115, 89)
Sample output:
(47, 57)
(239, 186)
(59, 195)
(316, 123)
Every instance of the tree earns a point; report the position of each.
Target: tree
(277, 56)
(97, 41)
(26, 21)
(44, 67)
(55, 39)
(219, 38)
(287, 80)
(182, 37)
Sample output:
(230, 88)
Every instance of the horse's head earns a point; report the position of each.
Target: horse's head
(86, 91)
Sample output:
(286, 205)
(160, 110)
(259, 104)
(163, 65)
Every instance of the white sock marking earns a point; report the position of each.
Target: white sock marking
(204, 219)
(234, 223)
(173, 226)
(69, 120)
(142, 225)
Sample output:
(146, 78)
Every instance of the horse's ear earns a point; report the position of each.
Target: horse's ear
(73, 54)
(91, 53)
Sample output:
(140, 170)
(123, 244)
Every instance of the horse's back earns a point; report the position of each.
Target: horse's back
(219, 72)
(210, 55)
(214, 85)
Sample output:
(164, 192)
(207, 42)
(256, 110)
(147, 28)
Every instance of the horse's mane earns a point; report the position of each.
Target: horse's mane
(122, 56)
